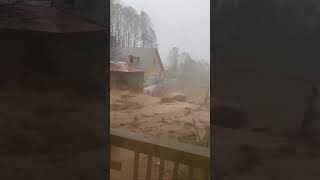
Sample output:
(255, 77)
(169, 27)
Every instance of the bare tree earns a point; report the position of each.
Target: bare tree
(187, 70)
(129, 28)
(172, 59)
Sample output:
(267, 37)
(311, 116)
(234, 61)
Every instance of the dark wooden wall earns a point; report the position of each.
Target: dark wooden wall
(96, 10)
(54, 61)
(265, 59)
(274, 36)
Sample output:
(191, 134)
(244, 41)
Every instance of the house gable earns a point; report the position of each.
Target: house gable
(119, 54)
(159, 60)
(149, 59)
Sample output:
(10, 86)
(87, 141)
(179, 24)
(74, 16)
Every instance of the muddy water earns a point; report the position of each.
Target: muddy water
(148, 115)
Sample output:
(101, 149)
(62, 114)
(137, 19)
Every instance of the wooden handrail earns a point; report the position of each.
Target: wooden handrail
(198, 157)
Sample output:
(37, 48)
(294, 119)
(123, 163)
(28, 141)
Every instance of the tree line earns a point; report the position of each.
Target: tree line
(130, 28)
(186, 70)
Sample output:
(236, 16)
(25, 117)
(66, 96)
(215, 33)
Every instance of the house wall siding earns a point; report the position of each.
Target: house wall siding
(133, 80)
(54, 61)
(82, 59)
(154, 69)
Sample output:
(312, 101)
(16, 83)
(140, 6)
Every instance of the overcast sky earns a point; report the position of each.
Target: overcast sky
(181, 23)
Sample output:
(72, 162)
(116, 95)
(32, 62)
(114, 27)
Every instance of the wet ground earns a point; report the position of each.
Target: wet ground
(185, 122)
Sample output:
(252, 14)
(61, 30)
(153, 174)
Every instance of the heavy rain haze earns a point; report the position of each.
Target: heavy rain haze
(155, 44)
(181, 23)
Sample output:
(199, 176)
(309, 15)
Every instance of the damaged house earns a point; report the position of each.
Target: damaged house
(124, 75)
(146, 59)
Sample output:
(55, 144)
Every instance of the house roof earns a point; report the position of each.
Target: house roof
(146, 55)
(122, 67)
(46, 19)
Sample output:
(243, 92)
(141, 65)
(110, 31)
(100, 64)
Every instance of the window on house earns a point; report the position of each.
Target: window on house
(131, 60)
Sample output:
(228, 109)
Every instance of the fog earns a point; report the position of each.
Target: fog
(181, 23)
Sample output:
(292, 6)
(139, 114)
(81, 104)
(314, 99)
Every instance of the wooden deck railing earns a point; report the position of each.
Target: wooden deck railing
(166, 150)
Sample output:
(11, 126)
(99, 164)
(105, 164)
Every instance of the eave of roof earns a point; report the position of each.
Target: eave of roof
(46, 19)
(121, 67)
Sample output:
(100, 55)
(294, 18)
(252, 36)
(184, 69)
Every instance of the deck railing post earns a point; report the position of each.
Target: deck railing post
(179, 153)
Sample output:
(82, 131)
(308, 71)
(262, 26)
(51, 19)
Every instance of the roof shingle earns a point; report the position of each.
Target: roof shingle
(47, 19)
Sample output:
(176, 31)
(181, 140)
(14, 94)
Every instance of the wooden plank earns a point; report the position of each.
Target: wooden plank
(175, 171)
(115, 165)
(136, 166)
(206, 173)
(191, 173)
(161, 169)
(149, 167)
(174, 151)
